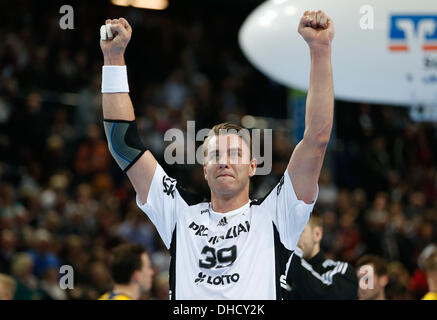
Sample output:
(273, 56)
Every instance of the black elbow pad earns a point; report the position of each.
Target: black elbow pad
(124, 142)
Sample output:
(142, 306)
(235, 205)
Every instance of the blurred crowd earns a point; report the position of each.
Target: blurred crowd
(64, 201)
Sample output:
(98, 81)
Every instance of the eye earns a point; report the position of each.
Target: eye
(214, 155)
(234, 153)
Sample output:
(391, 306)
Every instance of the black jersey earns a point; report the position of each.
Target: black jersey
(320, 279)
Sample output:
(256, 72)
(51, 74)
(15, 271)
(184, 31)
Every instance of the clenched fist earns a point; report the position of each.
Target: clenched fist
(115, 41)
(316, 28)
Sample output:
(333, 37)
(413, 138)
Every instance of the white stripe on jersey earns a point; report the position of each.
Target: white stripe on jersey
(309, 267)
(327, 277)
(344, 268)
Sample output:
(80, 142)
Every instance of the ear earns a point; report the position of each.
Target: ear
(253, 165)
(135, 276)
(383, 280)
(317, 234)
(204, 172)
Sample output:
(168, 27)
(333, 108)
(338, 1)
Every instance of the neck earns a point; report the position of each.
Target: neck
(225, 204)
(381, 295)
(130, 290)
(315, 251)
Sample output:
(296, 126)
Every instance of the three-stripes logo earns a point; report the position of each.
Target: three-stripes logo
(222, 222)
(404, 29)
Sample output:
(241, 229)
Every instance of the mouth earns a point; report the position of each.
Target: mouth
(224, 176)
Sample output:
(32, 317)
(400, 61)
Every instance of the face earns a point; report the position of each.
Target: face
(228, 166)
(6, 293)
(370, 285)
(145, 275)
(309, 238)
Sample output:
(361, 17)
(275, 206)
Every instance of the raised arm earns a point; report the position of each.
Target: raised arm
(306, 161)
(121, 131)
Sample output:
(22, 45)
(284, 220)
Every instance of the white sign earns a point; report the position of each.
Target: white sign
(383, 51)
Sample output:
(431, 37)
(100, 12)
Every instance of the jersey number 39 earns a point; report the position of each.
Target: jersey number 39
(219, 259)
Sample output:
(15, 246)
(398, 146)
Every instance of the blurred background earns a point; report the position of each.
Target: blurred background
(63, 199)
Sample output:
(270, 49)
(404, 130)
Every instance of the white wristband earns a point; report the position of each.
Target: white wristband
(114, 79)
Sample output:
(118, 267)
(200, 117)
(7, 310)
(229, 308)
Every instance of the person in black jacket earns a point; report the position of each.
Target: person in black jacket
(313, 277)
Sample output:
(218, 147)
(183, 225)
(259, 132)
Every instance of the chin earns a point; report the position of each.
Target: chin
(225, 189)
(226, 183)
(228, 193)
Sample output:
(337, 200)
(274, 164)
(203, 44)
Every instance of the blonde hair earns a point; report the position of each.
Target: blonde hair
(20, 263)
(228, 128)
(315, 221)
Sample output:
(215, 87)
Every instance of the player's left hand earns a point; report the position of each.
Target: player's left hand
(316, 28)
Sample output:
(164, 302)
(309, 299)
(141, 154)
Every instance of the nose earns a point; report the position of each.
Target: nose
(223, 160)
(223, 166)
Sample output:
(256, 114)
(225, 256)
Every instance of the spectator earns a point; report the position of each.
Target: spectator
(7, 287)
(99, 279)
(327, 190)
(430, 266)
(27, 284)
(398, 282)
(92, 155)
(137, 229)
(348, 239)
(131, 271)
(50, 285)
(41, 256)
(7, 249)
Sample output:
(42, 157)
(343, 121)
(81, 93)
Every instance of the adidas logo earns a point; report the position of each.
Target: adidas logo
(222, 222)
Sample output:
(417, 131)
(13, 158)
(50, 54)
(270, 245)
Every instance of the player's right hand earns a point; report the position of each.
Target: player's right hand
(114, 47)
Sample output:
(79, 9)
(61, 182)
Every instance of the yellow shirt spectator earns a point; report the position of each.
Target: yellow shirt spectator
(114, 296)
(430, 296)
